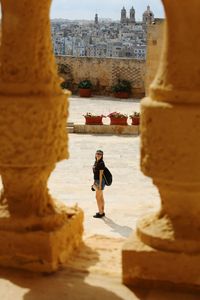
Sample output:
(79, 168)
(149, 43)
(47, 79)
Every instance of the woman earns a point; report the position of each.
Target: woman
(99, 182)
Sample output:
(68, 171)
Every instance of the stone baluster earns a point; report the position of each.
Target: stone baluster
(166, 248)
(36, 232)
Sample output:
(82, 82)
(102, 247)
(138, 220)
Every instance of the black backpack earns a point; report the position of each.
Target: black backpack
(107, 176)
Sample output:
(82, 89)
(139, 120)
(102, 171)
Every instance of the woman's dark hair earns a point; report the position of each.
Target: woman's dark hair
(100, 152)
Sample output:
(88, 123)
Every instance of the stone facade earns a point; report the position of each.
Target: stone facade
(103, 73)
(155, 35)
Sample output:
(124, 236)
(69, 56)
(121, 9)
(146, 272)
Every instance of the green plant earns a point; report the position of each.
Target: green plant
(65, 85)
(117, 115)
(90, 115)
(135, 114)
(85, 84)
(122, 86)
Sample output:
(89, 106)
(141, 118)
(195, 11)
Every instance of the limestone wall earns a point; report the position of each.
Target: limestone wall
(103, 72)
(154, 49)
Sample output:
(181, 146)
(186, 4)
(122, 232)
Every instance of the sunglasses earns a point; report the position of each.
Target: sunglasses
(99, 154)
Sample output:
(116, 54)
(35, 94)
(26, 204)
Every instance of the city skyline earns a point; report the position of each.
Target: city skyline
(78, 10)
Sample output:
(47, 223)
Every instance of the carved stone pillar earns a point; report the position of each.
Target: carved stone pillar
(35, 232)
(166, 247)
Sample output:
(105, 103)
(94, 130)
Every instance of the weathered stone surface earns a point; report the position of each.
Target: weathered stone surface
(32, 130)
(177, 79)
(30, 68)
(41, 244)
(161, 233)
(147, 267)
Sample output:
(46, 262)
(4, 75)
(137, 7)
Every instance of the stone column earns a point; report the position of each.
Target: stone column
(166, 247)
(36, 232)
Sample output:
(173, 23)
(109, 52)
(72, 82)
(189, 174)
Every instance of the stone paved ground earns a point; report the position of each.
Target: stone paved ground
(94, 273)
(131, 194)
(100, 105)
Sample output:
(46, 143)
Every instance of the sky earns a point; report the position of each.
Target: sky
(86, 9)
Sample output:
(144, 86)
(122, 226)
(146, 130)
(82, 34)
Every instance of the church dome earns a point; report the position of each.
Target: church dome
(148, 12)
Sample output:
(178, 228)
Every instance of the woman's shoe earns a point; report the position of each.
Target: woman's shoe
(98, 215)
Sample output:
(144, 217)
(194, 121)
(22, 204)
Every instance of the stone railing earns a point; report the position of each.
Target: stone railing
(103, 73)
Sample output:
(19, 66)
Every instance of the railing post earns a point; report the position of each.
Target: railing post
(166, 248)
(36, 233)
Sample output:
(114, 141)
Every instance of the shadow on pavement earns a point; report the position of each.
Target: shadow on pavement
(124, 231)
(67, 284)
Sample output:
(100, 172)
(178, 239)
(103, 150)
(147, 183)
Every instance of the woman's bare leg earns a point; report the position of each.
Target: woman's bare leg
(100, 201)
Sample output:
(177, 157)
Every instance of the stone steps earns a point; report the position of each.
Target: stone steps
(70, 127)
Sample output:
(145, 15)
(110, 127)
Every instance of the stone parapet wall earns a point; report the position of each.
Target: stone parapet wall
(107, 129)
(103, 73)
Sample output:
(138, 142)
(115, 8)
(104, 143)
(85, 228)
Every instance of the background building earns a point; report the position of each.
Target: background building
(103, 38)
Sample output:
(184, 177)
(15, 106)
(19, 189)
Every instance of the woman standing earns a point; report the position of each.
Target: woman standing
(99, 182)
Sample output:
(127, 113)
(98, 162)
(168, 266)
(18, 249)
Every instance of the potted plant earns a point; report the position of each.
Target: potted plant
(122, 89)
(66, 85)
(135, 117)
(91, 119)
(117, 118)
(85, 88)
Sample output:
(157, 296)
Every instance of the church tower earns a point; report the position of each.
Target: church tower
(132, 15)
(96, 20)
(123, 16)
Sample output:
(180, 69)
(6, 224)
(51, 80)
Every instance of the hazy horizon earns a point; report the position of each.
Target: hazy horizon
(85, 10)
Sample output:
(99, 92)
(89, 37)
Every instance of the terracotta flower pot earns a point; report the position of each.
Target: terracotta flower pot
(85, 92)
(122, 95)
(118, 121)
(135, 120)
(94, 120)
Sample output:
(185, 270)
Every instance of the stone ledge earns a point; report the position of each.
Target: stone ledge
(40, 250)
(107, 129)
(147, 267)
